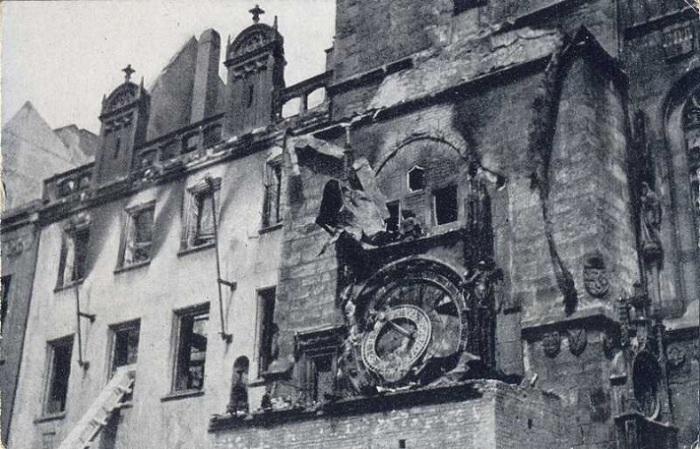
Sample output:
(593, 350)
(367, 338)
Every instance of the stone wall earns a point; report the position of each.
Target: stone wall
(483, 415)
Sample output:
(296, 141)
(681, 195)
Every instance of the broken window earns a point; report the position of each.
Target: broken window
(321, 377)
(192, 349)
(60, 353)
(126, 344)
(139, 235)
(392, 223)
(267, 329)
(271, 205)
(199, 227)
(72, 264)
(445, 202)
(416, 178)
(5, 301)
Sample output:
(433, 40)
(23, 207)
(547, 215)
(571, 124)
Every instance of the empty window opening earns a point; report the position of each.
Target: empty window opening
(402, 444)
(271, 206)
(212, 135)
(416, 179)
(126, 344)
(117, 147)
(392, 223)
(72, 265)
(251, 95)
(60, 353)
(190, 143)
(192, 350)
(204, 232)
(291, 107)
(139, 238)
(268, 329)
(316, 98)
(445, 201)
(322, 377)
(5, 301)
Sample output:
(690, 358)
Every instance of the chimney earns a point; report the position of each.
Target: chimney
(206, 77)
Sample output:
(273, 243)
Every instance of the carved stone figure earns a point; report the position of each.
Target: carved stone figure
(651, 218)
(238, 400)
(675, 356)
(578, 339)
(551, 343)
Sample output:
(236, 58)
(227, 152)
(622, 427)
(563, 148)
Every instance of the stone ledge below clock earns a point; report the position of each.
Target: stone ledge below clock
(598, 317)
(380, 403)
(476, 414)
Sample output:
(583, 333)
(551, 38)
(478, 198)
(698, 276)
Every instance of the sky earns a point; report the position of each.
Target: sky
(63, 56)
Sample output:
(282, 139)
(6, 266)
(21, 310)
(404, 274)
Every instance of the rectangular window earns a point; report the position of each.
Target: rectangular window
(191, 349)
(271, 206)
(5, 301)
(445, 203)
(73, 257)
(199, 208)
(212, 135)
(190, 143)
(138, 238)
(125, 343)
(267, 328)
(60, 353)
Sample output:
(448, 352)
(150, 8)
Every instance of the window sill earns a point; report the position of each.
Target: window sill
(259, 382)
(68, 286)
(52, 417)
(132, 266)
(194, 249)
(175, 395)
(271, 228)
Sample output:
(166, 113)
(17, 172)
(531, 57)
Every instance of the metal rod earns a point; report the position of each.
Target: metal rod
(224, 335)
(78, 314)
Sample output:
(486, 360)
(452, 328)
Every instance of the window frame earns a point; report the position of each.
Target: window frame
(50, 378)
(113, 330)
(192, 312)
(274, 173)
(262, 311)
(408, 179)
(72, 233)
(190, 215)
(129, 232)
(6, 281)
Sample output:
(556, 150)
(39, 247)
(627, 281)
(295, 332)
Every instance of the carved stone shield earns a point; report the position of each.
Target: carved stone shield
(578, 339)
(675, 356)
(595, 281)
(551, 342)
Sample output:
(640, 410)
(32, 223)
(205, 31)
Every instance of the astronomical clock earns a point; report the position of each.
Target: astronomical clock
(409, 324)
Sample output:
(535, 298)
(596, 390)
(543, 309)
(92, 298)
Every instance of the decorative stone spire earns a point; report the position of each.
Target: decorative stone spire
(256, 12)
(127, 73)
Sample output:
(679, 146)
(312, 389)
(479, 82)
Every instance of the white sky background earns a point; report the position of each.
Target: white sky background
(63, 56)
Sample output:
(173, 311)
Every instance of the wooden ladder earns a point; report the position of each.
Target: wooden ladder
(96, 417)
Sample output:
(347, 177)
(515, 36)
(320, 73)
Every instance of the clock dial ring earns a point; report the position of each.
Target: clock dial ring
(413, 327)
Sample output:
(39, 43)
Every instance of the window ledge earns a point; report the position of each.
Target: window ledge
(132, 266)
(175, 395)
(256, 382)
(271, 228)
(52, 417)
(68, 286)
(194, 249)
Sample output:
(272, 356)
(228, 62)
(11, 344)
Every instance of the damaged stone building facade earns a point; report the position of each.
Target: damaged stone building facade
(485, 234)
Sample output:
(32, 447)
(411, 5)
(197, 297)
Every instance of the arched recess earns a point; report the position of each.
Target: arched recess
(679, 174)
(238, 400)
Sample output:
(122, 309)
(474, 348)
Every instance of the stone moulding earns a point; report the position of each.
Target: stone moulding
(462, 391)
(600, 318)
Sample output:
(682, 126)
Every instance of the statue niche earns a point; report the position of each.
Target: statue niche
(238, 400)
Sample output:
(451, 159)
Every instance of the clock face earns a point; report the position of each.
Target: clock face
(408, 322)
(399, 337)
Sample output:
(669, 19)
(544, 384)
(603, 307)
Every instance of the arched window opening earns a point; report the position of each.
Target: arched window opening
(238, 401)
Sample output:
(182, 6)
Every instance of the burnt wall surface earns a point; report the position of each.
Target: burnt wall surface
(488, 415)
(19, 251)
